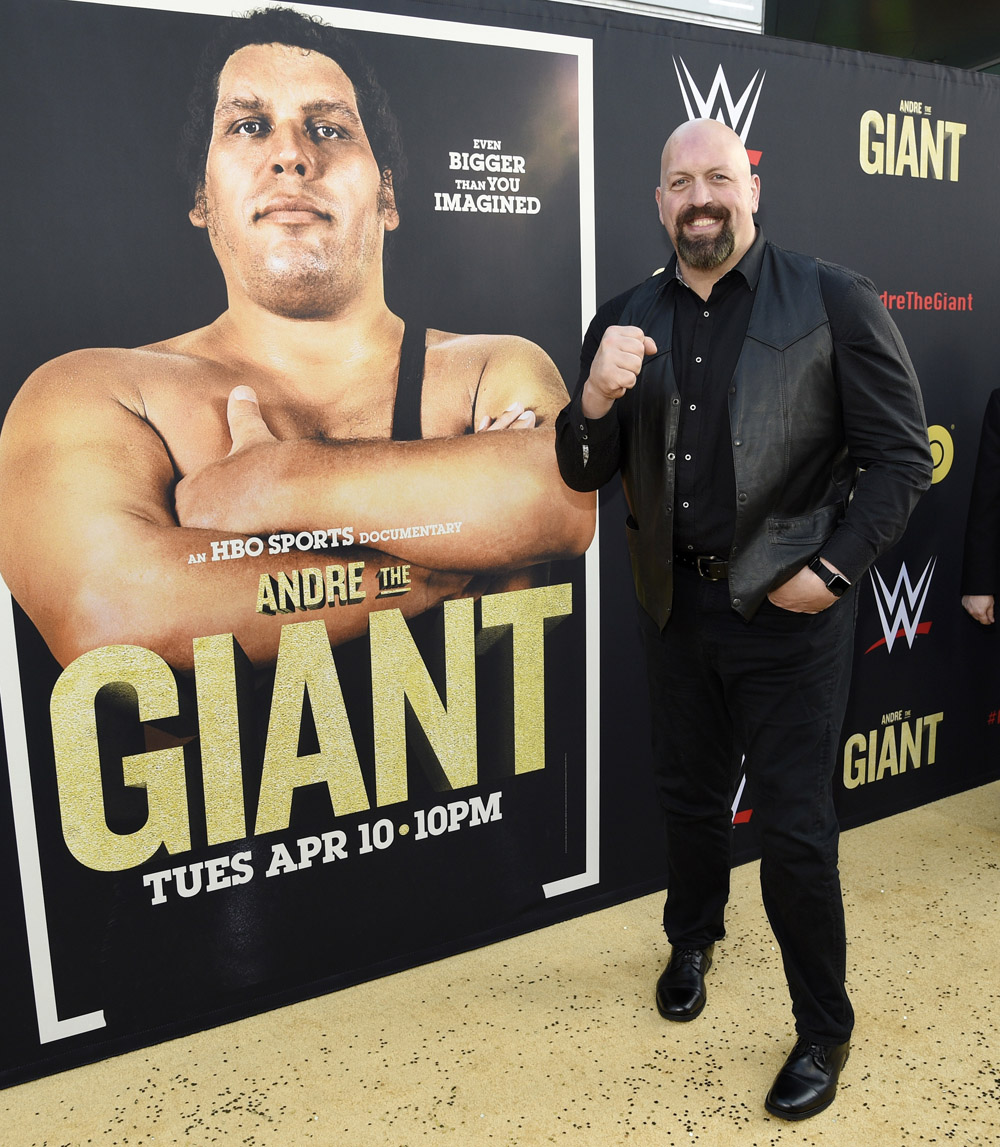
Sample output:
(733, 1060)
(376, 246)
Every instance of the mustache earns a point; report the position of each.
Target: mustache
(709, 211)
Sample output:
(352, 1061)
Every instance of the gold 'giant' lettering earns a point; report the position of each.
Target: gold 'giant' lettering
(529, 612)
(305, 663)
(398, 674)
(120, 669)
(888, 150)
(305, 667)
(219, 729)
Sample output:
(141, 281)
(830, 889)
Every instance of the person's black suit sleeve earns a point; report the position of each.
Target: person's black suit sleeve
(884, 422)
(981, 560)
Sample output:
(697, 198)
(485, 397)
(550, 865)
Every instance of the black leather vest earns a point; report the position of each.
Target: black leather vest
(793, 474)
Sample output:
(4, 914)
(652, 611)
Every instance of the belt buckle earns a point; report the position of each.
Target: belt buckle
(704, 570)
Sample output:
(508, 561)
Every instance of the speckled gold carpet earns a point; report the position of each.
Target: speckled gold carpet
(553, 1037)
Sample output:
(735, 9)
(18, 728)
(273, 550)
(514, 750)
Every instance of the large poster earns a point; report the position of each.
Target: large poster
(295, 650)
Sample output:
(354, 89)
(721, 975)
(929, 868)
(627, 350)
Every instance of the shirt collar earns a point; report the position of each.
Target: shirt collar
(749, 266)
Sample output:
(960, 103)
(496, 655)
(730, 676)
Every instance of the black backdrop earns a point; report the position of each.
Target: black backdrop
(96, 259)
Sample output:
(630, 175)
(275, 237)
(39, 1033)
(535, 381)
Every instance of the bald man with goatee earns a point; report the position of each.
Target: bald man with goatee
(769, 431)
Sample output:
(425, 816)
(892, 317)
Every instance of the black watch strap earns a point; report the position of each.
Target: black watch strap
(836, 583)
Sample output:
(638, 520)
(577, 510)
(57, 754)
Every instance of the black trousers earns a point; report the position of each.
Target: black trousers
(773, 689)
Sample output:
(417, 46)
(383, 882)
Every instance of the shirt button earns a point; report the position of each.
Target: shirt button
(686, 505)
(742, 497)
(687, 457)
(670, 457)
(698, 359)
(692, 407)
(737, 441)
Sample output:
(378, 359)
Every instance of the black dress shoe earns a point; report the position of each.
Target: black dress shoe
(680, 990)
(807, 1083)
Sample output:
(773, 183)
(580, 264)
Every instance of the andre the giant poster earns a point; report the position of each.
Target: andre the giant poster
(294, 668)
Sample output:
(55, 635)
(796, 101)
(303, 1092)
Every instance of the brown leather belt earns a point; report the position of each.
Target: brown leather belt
(707, 565)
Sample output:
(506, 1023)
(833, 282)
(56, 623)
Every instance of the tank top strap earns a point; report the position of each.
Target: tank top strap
(409, 385)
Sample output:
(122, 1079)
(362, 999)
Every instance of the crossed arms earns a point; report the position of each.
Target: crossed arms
(98, 533)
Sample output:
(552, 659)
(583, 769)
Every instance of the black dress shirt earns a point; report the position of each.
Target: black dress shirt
(708, 337)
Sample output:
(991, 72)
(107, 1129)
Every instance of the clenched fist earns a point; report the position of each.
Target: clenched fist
(615, 368)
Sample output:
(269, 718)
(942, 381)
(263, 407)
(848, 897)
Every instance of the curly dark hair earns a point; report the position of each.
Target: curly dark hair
(286, 26)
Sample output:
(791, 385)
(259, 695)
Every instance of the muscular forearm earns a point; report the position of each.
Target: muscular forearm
(501, 492)
(91, 550)
(159, 588)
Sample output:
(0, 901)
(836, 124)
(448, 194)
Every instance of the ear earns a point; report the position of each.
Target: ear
(755, 185)
(197, 214)
(659, 205)
(387, 202)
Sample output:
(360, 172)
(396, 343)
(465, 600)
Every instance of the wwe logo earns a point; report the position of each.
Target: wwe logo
(719, 103)
(904, 605)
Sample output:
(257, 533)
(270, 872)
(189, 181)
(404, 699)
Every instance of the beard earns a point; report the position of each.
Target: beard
(706, 252)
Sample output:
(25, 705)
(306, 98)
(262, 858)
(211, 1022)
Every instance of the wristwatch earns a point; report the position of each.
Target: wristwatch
(836, 583)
